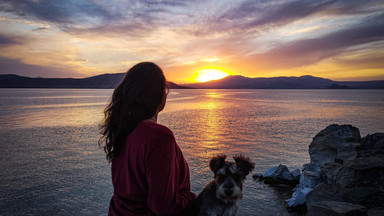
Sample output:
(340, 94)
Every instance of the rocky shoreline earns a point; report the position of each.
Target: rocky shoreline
(345, 175)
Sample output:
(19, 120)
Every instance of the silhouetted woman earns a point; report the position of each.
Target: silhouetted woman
(149, 173)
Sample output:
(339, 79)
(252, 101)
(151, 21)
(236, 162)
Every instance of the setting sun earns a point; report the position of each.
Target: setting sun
(208, 74)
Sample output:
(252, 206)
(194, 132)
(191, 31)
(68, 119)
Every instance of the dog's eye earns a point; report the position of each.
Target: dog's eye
(238, 177)
(220, 175)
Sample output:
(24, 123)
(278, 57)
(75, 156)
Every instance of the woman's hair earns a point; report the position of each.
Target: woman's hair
(136, 98)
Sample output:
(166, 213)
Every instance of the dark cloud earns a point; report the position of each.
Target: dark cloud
(15, 66)
(40, 29)
(251, 14)
(56, 11)
(6, 40)
(88, 16)
(309, 51)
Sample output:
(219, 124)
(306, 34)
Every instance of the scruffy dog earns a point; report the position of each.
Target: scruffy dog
(220, 196)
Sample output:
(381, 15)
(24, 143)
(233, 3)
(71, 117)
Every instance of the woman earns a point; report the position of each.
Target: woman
(149, 173)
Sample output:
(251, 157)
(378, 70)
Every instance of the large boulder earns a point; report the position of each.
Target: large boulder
(335, 142)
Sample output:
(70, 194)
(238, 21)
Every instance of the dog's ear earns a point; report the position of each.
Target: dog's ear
(244, 164)
(217, 163)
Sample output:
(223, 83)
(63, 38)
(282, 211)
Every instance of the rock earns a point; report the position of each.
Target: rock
(373, 141)
(258, 176)
(335, 208)
(298, 197)
(296, 175)
(366, 196)
(309, 179)
(345, 175)
(279, 174)
(365, 163)
(311, 167)
(334, 142)
(310, 176)
(379, 211)
(325, 192)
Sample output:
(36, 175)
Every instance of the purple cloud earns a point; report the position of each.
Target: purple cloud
(14, 66)
(308, 51)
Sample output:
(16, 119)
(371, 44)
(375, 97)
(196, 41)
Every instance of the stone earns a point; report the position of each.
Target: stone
(279, 174)
(258, 176)
(325, 192)
(335, 208)
(309, 179)
(331, 172)
(334, 142)
(379, 211)
(296, 175)
(298, 197)
(365, 163)
(373, 141)
(366, 196)
(311, 167)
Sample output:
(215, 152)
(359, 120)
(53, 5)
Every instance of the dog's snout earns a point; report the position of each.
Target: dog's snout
(228, 192)
(228, 185)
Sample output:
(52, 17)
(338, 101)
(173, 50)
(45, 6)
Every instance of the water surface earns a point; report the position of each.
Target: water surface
(51, 165)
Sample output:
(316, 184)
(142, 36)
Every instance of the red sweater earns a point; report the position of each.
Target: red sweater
(150, 175)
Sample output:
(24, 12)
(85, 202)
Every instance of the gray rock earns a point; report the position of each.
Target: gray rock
(379, 211)
(335, 208)
(325, 192)
(258, 176)
(298, 197)
(309, 179)
(365, 163)
(296, 175)
(334, 142)
(311, 167)
(366, 196)
(373, 141)
(279, 174)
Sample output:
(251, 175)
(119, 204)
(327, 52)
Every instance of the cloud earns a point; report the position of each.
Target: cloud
(309, 51)
(15, 66)
(251, 15)
(55, 11)
(100, 17)
(6, 40)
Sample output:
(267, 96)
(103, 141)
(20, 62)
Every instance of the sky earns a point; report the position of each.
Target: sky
(339, 40)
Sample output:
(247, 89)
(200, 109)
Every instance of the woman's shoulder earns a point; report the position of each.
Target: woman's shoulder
(155, 128)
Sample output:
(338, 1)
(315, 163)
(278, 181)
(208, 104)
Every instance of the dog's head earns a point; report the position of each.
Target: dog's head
(230, 176)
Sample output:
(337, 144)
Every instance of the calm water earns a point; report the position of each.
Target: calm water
(51, 165)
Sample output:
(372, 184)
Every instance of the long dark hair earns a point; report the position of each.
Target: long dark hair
(138, 97)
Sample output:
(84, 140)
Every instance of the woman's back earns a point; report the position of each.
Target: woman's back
(150, 175)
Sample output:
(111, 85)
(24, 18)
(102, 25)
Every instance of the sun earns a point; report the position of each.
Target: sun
(209, 74)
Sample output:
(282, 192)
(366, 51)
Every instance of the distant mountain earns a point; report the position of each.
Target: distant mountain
(109, 81)
(104, 81)
(303, 82)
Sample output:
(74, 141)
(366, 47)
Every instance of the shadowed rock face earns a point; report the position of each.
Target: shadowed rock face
(336, 142)
(352, 171)
(334, 208)
(345, 176)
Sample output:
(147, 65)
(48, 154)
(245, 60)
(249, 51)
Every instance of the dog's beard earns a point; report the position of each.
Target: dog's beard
(234, 197)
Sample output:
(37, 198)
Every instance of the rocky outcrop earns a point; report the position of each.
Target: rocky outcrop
(334, 143)
(279, 175)
(345, 175)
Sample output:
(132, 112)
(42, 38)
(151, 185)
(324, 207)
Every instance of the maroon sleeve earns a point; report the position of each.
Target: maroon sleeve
(168, 194)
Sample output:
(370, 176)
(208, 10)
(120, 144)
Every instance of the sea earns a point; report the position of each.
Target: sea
(50, 162)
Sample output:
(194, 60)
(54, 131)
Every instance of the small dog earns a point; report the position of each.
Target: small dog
(220, 196)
